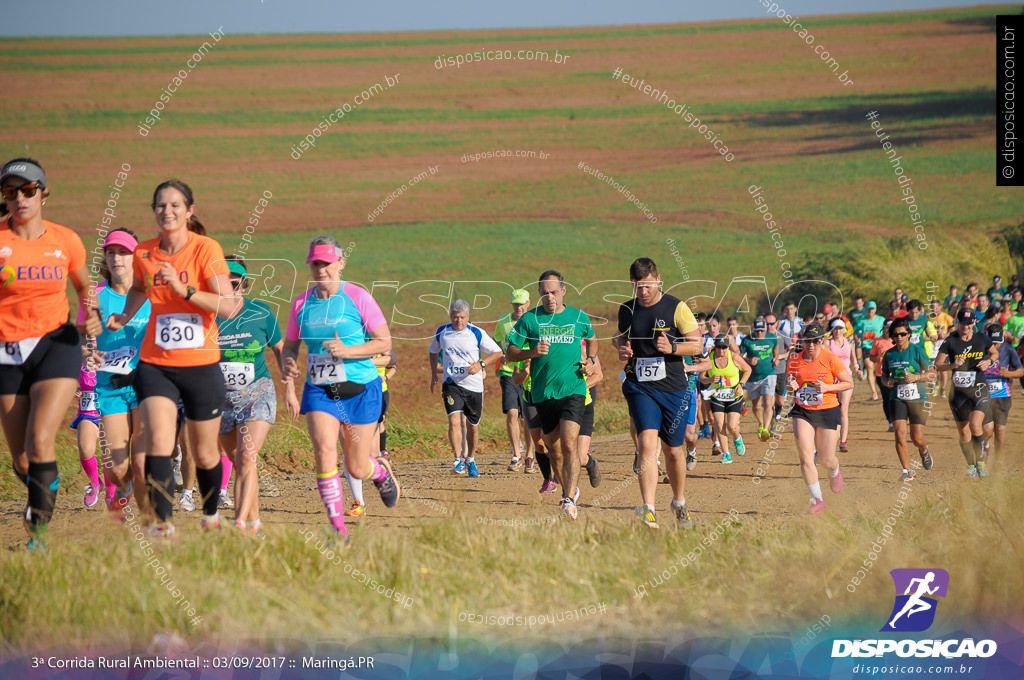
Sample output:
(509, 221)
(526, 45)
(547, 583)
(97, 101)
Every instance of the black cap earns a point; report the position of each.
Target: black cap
(812, 331)
(904, 297)
(722, 341)
(995, 332)
(965, 316)
(760, 324)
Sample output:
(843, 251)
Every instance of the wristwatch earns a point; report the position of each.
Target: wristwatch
(189, 292)
(674, 345)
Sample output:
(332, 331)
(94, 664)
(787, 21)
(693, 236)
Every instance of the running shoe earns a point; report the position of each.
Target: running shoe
(926, 460)
(224, 500)
(241, 525)
(763, 433)
(531, 466)
(907, 476)
(836, 483)
(569, 507)
(162, 531)
(726, 458)
(982, 468)
(716, 449)
(185, 503)
(516, 463)
(548, 487)
(210, 522)
(460, 467)
(972, 473)
(357, 510)
(817, 506)
(705, 431)
(683, 520)
(874, 396)
(92, 495)
(740, 447)
(636, 463)
(648, 517)
(471, 469)
(843, 448)
(691, 460)
(662, 475)
(176, 467)
(384, 455)
(592, 472)
(891, 429)
(256, 525)
(390, 490)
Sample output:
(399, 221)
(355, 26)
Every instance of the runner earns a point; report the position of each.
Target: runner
(511, 393)
(817, 376)
(997, 288)
(548, 336)
(880, 346)
(704, 408)
(856, 314)
(117, 358)
(41, 356)
(732, 325)
(838, 345)
(869, 328)
(999, 377)
(87, 429)
(595, 376)
(694, 367)
(762, 354)
(387, 366)
(251, 405)
(655, 331)
(185, 277)
(462, 385)
(1014, 328)
(940, 323)
(785, 345)
(951, 299)
(343, 328)
(906, 370)
(968, 354)
(790, 325)
(724, 382)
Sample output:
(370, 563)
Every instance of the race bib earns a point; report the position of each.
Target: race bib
(118, 360)
(963, 378)
(809, 396)
(649, 369)
(325, 369)
(238, 374)
(908, 392)
(915, 339)
(179, 331)
(725, 394)
(995, 386)
(458, 371)
(87, 402)
(15, 353)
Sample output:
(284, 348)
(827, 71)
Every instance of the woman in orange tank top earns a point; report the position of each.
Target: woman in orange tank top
(815, 376)
(40, 352)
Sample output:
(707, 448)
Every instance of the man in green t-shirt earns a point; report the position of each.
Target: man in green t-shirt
(512, 404)
(762, 353)
(866, 331)
(917, 320)
(550, 336)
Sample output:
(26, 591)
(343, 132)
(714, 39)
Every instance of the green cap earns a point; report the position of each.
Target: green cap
(236, 268)
(520, 296)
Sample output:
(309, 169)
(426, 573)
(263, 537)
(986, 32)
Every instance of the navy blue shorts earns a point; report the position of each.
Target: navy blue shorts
(362, 409)
(667, 412)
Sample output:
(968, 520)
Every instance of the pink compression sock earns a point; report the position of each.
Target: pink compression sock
(225, 463)
(91, 468)
(333, 498)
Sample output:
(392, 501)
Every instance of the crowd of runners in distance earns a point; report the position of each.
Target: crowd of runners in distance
(169, 357)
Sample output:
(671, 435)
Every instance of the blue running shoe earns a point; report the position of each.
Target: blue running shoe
(471, 468)
(460, 467)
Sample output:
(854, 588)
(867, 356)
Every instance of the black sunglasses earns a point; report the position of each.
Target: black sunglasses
(27, 190)
(900, 335)
(811, 342)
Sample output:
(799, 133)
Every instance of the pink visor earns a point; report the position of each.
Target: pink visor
(121, 238)
(323, 253)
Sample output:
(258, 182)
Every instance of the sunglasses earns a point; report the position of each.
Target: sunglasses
(900, 335)
(237, 283)
(812, 342)
(27, 190)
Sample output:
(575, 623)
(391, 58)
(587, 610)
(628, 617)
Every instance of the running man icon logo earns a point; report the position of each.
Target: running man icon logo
(914, 610)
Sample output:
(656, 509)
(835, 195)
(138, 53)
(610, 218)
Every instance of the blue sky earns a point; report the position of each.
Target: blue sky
(196, 17)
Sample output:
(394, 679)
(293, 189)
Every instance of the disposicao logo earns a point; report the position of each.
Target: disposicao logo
(914, 611)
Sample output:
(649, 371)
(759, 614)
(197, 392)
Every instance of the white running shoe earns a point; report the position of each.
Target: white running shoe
(185, 503)
(176, 467)
(224, 501)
